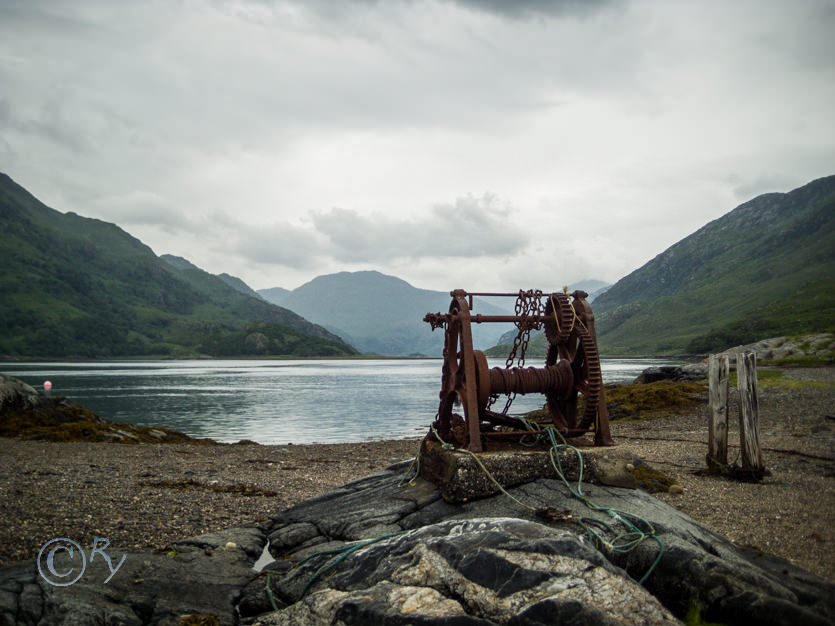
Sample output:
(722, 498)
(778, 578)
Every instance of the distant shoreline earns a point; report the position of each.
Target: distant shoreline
(363, 357)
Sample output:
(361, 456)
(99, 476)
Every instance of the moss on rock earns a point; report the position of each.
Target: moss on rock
(654, 481)
(58, 419)
(653, 400)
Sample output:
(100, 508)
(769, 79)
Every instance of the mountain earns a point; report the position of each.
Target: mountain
(593, 295)
(236, 283)
(178, 262)
(766, 268)
(273, 294)
(591, 286)
(74, 286)
(381, 314)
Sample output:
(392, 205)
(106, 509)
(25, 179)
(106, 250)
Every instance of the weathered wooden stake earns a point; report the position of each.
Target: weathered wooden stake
(717, 441)
(749, 425)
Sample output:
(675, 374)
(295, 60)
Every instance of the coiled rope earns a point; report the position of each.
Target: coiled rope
(638, 529)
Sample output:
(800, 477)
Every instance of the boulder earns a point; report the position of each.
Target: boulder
(196, 577)
(819, 345)
(359, 548)
(16, 394)
(688, 373)
(469, 571)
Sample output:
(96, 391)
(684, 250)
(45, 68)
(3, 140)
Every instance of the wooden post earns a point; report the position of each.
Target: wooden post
(749, 426)
(717, 435)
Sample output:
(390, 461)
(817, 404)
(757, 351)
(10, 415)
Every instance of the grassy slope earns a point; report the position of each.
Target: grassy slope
(762, 270)
(75, 286)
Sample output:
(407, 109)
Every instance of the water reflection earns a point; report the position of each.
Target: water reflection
(266, 401)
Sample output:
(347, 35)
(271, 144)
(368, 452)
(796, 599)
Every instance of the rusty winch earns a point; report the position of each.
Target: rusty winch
(572, 367)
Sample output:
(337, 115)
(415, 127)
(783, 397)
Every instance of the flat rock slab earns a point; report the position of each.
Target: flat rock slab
(200, 577)
(462, 476)
(472, 571)
(354, 555)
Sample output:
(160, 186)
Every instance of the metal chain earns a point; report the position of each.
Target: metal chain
(528, 303)
(518, 309)
(533, 308)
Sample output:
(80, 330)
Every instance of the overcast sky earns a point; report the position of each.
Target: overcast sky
(473, 143)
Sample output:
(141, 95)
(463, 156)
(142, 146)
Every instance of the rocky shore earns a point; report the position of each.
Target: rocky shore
(148, 498)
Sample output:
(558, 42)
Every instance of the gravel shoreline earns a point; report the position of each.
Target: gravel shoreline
(152, 494)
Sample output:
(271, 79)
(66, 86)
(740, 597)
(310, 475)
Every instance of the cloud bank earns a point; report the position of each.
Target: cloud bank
(490, 144)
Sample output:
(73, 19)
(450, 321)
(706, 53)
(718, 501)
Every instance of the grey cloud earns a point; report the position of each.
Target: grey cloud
(745, 189)
(281, 244)
(535, 8)
(469, 227)
(49, 123)
(514, 9)
(145, 208)
(103, 98)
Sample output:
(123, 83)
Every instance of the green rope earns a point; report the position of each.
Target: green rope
(444, 444)
(343, 553)
(530, 425)
(497, 483)
(621, 543)
(638, 529)
(413, 473)
(270, 594)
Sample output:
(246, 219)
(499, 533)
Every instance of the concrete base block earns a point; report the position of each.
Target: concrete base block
(460, 477)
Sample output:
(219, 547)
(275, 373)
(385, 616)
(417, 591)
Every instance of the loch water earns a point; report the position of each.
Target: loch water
(270, 401)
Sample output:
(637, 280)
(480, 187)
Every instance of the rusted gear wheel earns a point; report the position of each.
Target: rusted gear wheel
(558, 327)
(591, 384)
(580, 350)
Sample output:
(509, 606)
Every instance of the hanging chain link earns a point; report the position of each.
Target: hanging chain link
(519, 310)
(528, 303)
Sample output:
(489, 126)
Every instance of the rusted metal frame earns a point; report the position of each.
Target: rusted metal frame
(501, 419)
(532, 321)
(470, 398)
(449, 373)
(577, 344)
(490, 294)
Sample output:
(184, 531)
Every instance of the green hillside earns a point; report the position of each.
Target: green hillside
(74, 286)
(765, 269)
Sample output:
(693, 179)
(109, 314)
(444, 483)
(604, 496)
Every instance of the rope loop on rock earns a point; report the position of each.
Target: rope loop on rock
(444, 444)
(343, 553)
(638, 529)
(413, 473)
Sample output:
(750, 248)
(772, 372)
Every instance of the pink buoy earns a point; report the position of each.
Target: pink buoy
(47, 386)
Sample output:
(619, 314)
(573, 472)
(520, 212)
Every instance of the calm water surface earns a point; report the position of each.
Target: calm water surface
(271, 402)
